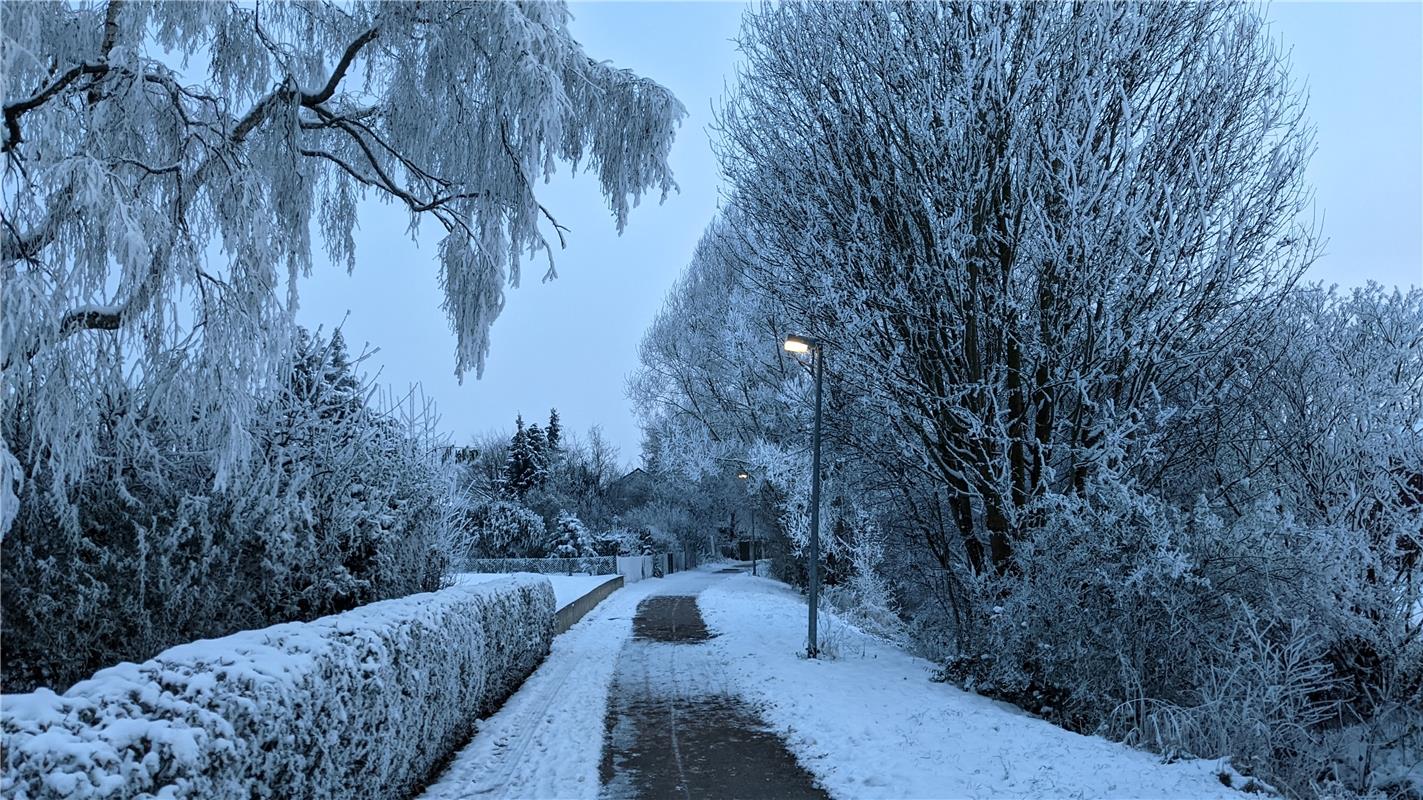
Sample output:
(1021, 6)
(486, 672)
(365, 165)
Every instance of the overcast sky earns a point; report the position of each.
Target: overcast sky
(572, 342)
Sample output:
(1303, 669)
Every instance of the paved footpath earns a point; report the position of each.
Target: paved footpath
(674, 728)
(628, 704)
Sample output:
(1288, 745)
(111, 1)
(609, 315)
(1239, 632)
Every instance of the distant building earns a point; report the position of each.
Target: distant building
(630, 491)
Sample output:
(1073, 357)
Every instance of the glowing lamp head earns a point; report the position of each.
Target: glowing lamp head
(799, 344)
(743, 475)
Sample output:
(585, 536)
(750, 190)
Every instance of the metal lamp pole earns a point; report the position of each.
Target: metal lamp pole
(802, 344)
(746, 476)
(753, 540)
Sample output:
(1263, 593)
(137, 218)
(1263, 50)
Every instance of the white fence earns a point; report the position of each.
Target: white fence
(634, 568)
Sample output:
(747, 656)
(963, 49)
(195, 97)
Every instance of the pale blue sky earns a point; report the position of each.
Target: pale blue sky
(572, 342)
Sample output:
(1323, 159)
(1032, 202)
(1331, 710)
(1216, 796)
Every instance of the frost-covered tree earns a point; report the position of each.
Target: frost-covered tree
(528, 462)
(587, 469)
(518, 466)
(718, 395)
(168, 163)
(538, 456)
(484, 471)
(1021, 223)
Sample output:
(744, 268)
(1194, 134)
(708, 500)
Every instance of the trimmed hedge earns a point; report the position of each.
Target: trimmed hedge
(593, 565)
(360, 704)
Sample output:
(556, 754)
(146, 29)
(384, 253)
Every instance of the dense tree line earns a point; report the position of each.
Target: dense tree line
(346, 500)
(1090, 443)
(540, 492)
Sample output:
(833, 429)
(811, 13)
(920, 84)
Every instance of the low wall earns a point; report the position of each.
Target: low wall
(631, 568)
(591, 565)
(571, 613)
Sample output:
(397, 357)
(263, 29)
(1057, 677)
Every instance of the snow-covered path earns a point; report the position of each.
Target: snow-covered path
(869, 724)
(677, 728)
(547, 740)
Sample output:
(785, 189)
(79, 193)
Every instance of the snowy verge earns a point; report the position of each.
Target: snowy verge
(360, 704)
(870, 723)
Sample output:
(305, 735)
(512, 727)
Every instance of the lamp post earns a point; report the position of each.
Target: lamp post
(744, 475)
(804, 344)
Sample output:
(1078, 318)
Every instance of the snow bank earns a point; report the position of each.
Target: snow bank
(360, 704)
(870, 723)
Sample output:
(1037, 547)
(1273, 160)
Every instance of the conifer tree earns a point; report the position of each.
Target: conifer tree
(518, 468)
(555, 430)
(573, 540)
(538, 456)
(340, 370)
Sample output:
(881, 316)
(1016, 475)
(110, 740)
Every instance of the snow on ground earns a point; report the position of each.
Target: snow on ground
(872, 724)
(566, 588)
(547, 740)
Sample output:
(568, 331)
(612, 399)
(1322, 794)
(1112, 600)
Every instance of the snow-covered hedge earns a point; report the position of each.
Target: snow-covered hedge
(360, 704)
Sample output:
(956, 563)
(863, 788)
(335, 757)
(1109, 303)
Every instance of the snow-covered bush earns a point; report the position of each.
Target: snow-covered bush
(617, 542)
(505, 529)
(1190, 633)
(360, 704)
(646, 543)
(863, 597)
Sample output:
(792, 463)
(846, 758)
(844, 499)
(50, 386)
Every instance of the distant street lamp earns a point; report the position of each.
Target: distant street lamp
(744, 475)
(805, 344)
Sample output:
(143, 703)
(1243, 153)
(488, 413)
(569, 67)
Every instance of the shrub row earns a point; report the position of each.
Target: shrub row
(360, 704)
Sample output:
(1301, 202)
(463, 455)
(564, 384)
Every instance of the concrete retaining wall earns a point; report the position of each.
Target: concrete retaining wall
(565, 617)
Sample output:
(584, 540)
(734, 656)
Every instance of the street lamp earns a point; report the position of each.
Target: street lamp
(744, 475)
(799, 345)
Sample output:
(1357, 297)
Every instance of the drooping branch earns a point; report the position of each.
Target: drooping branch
(14, 111)
(92, 318)
(110, 318)
(329, 90)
